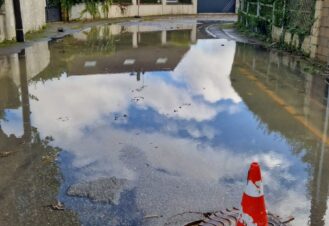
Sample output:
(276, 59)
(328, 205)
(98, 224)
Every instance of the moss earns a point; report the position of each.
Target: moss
(31, 35)
(7, 43)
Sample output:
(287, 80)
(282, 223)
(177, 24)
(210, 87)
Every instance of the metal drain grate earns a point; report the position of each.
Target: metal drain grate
(229, 217)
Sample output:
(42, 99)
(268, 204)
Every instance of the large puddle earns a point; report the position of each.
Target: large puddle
(152, 124)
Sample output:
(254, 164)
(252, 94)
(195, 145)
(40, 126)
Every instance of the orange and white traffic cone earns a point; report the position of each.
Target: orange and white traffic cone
(253, 210)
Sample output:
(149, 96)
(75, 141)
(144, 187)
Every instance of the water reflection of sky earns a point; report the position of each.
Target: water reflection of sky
(12, 123)
(185, 145)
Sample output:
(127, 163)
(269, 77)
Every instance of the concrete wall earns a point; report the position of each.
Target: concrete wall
(321, 37)
(316, 44)
(133, 10)
(292, 40)
(309, 43)
(237, 6)
(7, 21)
(33, 16)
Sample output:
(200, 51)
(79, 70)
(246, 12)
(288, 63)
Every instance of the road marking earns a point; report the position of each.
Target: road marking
(209, 32)
(289, 109)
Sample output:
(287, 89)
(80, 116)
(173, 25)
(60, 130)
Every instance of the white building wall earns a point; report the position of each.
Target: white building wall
(7, 21)
(33, 16)
(134, 10)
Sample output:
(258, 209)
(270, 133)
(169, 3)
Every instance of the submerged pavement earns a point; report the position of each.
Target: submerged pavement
(156, 122)
(51, 31)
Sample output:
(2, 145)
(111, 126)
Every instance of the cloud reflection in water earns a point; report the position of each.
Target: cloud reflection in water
(167, 146)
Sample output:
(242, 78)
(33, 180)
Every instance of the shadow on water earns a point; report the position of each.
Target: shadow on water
(150, 123)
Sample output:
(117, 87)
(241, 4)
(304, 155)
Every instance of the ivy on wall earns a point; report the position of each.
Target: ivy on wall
(295, 16)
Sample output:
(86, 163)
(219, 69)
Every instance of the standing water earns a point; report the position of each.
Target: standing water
(133, 124)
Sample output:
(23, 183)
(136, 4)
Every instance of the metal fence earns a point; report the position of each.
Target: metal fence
(290, 14)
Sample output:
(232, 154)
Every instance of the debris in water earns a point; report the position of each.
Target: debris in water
(137, 99)
(6, 154)
(58, 207)
(140, 89)
(152, 216)
(63, 119)
(119, 116)
(184, 105)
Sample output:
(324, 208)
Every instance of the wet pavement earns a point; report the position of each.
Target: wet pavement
(154, 123)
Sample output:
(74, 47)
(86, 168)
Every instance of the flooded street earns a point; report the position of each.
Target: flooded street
(152, 123)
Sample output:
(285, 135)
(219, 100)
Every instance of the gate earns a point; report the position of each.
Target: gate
(53, 11)
(216, 6)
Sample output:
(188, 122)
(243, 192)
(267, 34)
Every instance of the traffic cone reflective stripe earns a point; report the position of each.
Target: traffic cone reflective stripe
(254, 189)
(253, 210)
